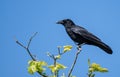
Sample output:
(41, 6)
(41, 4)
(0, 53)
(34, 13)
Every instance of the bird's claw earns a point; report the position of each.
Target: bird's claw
(79, 47)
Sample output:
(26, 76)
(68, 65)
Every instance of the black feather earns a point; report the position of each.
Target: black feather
(81, 36)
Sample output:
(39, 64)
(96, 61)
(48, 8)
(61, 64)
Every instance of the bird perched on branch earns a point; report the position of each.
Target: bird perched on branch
(81, 36)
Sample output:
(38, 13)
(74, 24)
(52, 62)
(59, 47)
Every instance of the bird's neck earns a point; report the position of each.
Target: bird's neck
(69, 25)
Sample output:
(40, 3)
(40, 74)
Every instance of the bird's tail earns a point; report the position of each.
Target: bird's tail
(105, 47)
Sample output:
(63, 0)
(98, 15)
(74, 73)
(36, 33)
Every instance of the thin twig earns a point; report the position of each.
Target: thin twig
(20, 44)
(56, 72)
(59, 50)
(29, 42)
(55, 62)
(27, 49)
(76, 56)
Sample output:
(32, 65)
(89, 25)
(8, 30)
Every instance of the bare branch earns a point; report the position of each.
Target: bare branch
(59, 50)
(27, 49)
(20, 44)
(76, 56)
(31, 39)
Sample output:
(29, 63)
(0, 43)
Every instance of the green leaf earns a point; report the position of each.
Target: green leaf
(58, 56)
(36, 66)
(94, 67)
(67, 48)
(56, 68)
(60, 66)
(52, 68)
(32, 69)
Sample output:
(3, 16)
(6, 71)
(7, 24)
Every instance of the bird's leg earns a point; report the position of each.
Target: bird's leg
(79, 47)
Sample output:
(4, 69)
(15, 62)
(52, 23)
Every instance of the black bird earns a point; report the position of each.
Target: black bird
(81, 36)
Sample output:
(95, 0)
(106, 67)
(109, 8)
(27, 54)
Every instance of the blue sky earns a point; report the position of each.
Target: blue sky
(21, 18)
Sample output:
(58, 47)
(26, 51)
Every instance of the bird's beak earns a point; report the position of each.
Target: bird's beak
(59, 22)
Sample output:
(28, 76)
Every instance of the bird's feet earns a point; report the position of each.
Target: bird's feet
(79, 47)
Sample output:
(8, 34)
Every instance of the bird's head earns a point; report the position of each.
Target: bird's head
(66, 22)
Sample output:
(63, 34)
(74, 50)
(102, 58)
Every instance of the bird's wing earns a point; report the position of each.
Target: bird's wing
(84, 33)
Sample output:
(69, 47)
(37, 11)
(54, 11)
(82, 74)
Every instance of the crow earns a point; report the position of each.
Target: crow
(81, 36)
